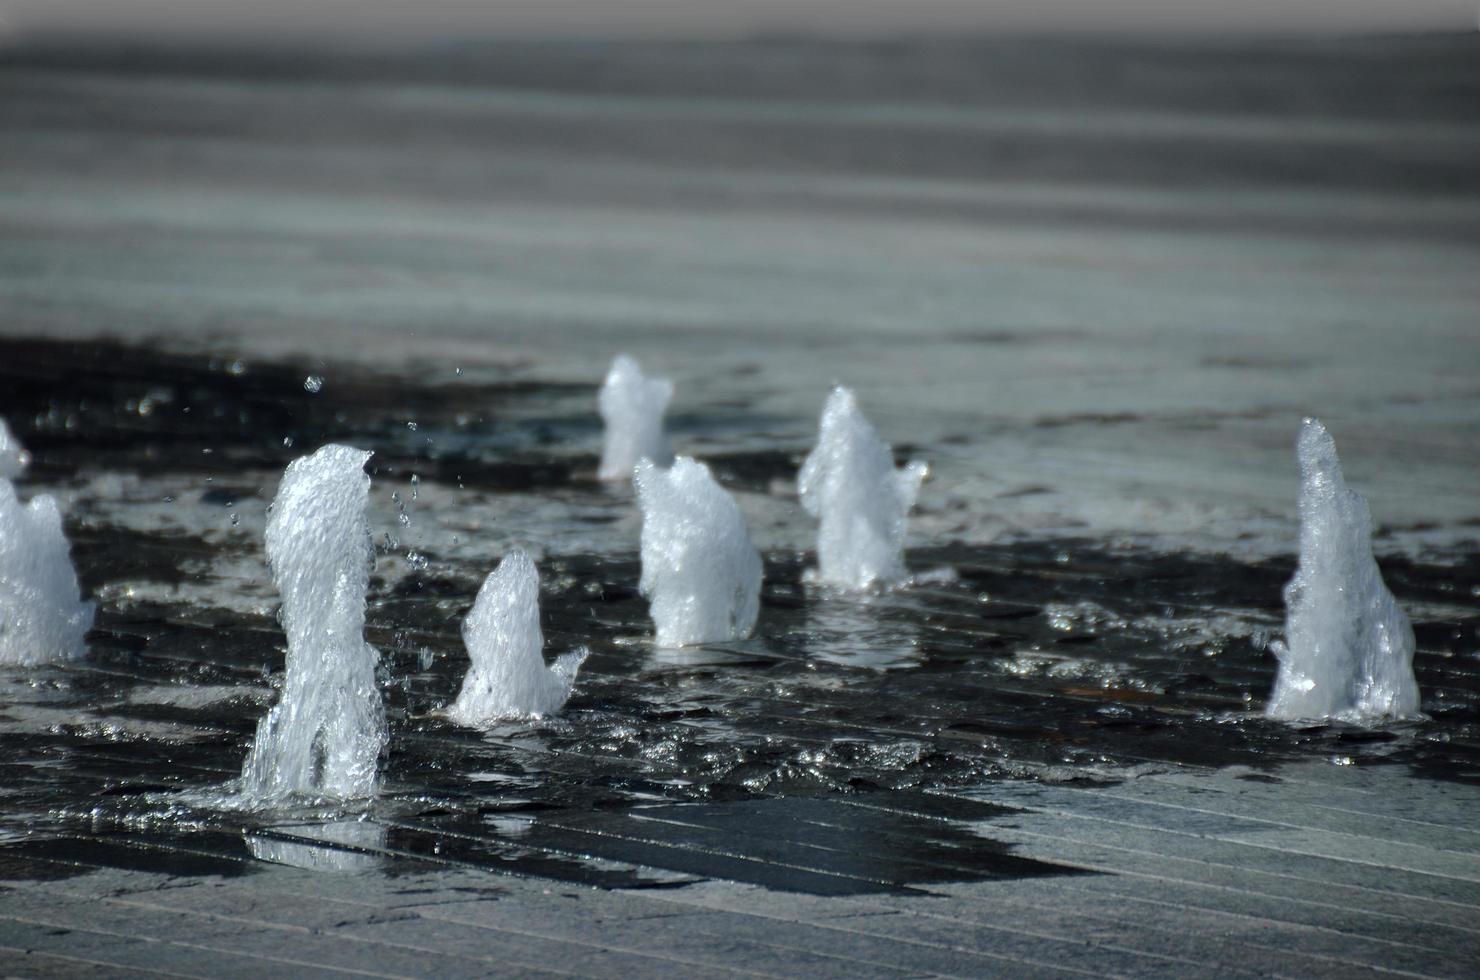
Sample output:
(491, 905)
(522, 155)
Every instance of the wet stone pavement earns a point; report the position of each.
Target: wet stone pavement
(1051, 760)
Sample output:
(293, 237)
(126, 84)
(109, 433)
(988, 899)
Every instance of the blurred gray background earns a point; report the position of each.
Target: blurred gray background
(399, 19)
(1114, 271)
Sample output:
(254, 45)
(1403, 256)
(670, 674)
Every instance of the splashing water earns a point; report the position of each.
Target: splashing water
(509, 678)
(42, 615)
(1348, 652)
(700, 572)
(632, 407)
(324, 737)
(862, 502)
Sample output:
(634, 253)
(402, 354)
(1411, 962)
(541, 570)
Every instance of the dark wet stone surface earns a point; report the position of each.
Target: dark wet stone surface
(107, 406)
(802, 759)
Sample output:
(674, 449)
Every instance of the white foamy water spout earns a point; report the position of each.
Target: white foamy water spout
(1348, 650)
(324, 737)
(13, 456)
(700, 572)
(632, 407)
(849, 483)
(509, 678)
(42, 615)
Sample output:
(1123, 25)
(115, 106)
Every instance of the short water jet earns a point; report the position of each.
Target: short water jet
(849, 483)
(632, 408)
(509, 678)
(323, 738)
(700, 572)
(42, 616)
(1348, 650)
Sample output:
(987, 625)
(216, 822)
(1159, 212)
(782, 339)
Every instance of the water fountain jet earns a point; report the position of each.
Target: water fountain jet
(849, 483)
(324, 737)
(1348, 650)
(509, 678)
(700, 572)
(632, 407)
(42, 616)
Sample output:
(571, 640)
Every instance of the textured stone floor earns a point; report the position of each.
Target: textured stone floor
(1316, 871)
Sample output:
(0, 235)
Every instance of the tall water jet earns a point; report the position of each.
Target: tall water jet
(509, 678)
(849, 483)
(632, 407)
(42, 616)
(323, 738)
(700, 572)
(1348, 650)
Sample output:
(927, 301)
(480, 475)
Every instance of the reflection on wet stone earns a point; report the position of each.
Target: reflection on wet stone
(849, 631)
(341, 845)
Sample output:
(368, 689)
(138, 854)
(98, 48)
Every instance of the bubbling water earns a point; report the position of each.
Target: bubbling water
(509, 678)
(1348, 650)
(632, 407)
(700, 572)
(324, 737)
(849, 483)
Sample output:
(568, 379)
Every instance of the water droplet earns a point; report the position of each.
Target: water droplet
(236, 368)
(415, 486)
(312, 384)
(288, 441)
(235, 520)
(405, 519)
(412, 426)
